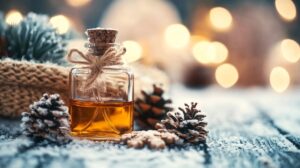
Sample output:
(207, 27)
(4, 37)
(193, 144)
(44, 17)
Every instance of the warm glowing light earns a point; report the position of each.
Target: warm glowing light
(226, 75)
(202, 51)
(61, 23)
(133, 51)
(290, 50)
(220, 18)
(286, 9)
(196, 38)
(221, 52)
(279, 79)
(13, 17)
(177, 36)
(78, 3)
(207, 52)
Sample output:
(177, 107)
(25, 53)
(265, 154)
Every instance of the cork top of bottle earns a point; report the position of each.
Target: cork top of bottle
(100, 39)
(101, 35)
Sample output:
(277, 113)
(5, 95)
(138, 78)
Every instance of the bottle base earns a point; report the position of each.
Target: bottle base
(96, 136)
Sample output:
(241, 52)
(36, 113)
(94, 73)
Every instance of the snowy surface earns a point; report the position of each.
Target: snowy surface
(247, 128)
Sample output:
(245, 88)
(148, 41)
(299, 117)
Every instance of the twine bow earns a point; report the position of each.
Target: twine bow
(112, 56)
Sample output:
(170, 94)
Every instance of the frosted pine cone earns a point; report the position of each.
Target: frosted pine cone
(48, 119)
(187, 123)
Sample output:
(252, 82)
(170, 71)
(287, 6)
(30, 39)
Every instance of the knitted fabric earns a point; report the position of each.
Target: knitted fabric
(22, 83)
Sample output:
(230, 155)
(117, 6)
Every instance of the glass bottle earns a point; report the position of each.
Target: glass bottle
(103, 110)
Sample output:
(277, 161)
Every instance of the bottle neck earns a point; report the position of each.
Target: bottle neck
(107, 54)
(99, 49)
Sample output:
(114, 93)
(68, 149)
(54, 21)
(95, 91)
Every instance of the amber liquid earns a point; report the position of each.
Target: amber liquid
(100, 120)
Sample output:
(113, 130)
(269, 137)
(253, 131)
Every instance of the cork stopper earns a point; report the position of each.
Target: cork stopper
(100, 39)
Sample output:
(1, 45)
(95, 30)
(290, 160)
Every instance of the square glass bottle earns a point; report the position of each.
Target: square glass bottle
(103, 109)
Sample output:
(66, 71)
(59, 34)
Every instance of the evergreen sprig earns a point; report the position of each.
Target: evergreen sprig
(34, 39)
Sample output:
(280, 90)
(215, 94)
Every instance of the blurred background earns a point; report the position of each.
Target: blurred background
(228, 43)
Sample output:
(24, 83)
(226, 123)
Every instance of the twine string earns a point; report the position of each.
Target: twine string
(112, 56)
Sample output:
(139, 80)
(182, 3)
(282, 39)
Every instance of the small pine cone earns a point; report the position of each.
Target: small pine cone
(48, 119)
(151, 109)
(151, 138)
(187, 123)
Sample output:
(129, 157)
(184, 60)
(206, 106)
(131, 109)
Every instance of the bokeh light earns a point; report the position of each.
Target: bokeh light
(61, 23)
(286, 9)
(279, 79)
(134, 51)
(13, 17)
(220, 18)
(221, 52)
(177, 36)
(290, 50)
(202, 52)
(77, 3)
(207, 52)
(226, 75)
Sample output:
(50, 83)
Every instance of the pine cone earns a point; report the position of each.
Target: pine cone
(187, 123)
(151, 138)
(48, 119)
(151, 109)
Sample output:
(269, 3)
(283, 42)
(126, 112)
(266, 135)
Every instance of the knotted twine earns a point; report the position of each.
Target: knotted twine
(111, 57)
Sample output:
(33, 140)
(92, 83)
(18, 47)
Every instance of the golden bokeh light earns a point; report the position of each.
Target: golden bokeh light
(279, 79)
(220, 18)
(61, 23)
(207, 52)
(77, 3)
(290, 50)
(221, 52)
(286, 9)
(134, 51)
(177, 36)
(196, 38)
(226, 75)
(13, 17)
(202, 52)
